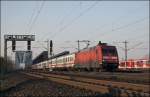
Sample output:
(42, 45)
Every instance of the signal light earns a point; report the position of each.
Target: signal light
(29, 45)
(51, 47)
(51, 43)
(51, 50)
(13, 45)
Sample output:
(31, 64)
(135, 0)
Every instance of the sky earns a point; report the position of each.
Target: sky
(65, 22)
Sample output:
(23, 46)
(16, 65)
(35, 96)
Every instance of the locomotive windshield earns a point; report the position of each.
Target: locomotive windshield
(109, 52)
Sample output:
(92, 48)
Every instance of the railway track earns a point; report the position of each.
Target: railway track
(116, 89)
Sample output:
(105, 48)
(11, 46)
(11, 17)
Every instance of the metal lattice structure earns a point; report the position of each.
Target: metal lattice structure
(23, 59)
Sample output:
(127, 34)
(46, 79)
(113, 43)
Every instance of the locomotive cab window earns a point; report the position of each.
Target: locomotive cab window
(107, 51)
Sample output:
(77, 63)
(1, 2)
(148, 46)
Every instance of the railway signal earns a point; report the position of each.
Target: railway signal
(51, 47)
(15, 38)
(29, 45)
(13, 45)
(126, 50)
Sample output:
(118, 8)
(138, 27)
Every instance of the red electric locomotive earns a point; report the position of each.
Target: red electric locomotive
(98, 57)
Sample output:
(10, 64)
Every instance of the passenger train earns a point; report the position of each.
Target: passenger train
(135, 64)
(99, 57)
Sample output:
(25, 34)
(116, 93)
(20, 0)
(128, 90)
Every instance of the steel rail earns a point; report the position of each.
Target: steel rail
(101, 86)
(128, 86)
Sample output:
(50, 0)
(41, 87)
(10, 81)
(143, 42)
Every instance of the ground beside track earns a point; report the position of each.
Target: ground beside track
(137, 78)
(11, 80)
(19, 85)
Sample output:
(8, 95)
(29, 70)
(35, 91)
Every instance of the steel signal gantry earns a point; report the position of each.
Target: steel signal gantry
(15, 38)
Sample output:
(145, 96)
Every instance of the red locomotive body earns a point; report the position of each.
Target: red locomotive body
(98, 57)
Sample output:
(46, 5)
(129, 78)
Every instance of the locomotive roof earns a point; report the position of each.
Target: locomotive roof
(60, 54)
(86, 49)
(102, 45)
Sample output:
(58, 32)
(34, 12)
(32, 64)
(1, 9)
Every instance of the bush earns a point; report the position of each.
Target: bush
(6, 66)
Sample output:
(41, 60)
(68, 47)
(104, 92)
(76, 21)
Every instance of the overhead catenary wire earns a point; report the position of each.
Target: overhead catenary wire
(31, 18)
(135, 46)
(113, 29)
(75, 19)
(64, 29)
(123, 26)
(62, 20)
(36, 17)
(66, 16)
(133, 38)
(113, 22)
(131, 48)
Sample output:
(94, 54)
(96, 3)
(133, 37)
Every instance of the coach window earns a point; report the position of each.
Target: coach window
(70, 58)
(63, 59)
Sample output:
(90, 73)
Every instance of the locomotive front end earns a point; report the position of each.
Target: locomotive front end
(110, 60)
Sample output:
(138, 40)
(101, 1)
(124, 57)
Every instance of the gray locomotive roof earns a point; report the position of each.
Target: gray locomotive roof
(60, 54)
